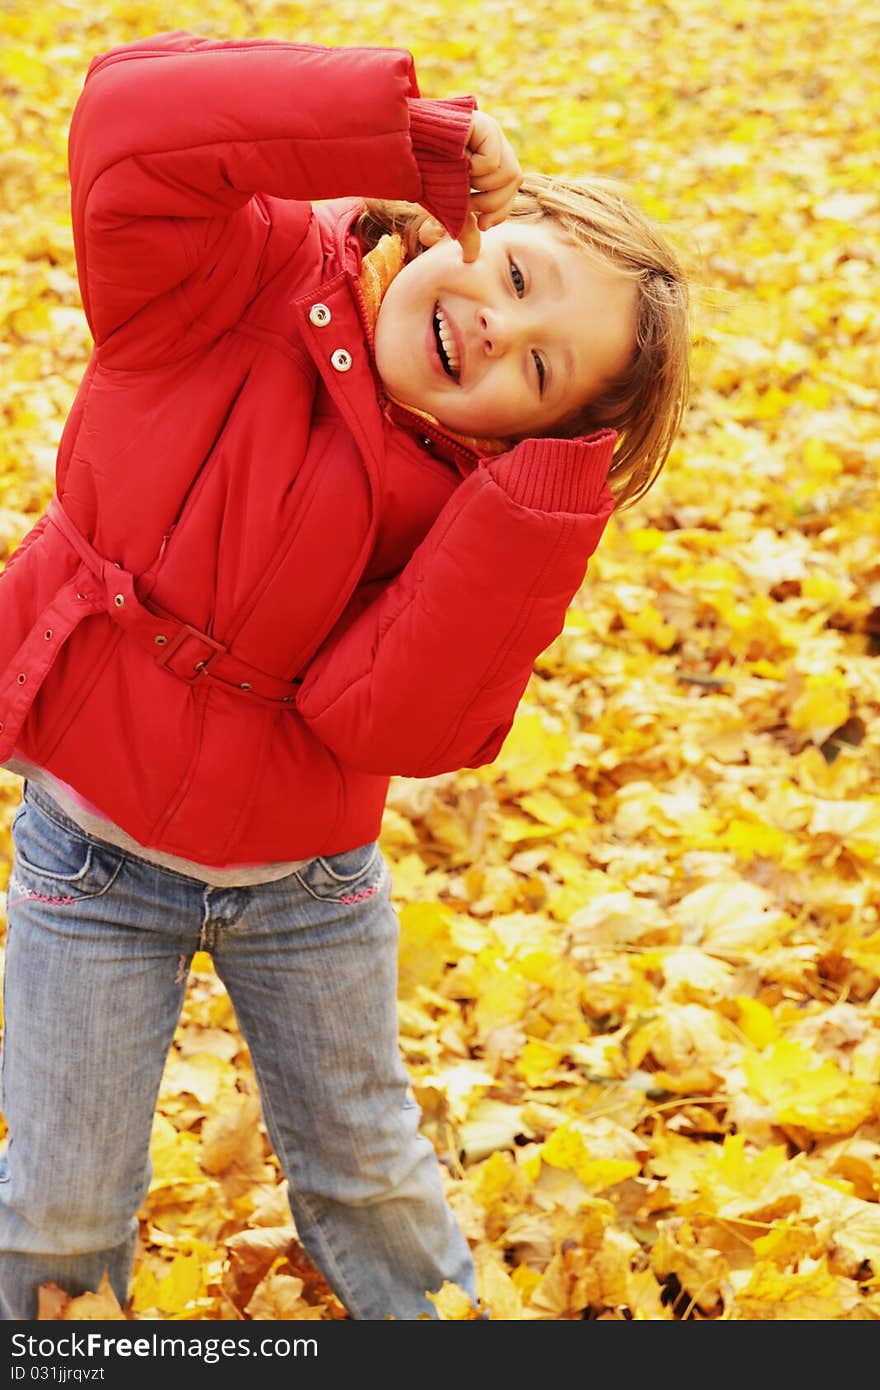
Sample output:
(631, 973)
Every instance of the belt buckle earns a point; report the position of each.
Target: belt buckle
(186, 633)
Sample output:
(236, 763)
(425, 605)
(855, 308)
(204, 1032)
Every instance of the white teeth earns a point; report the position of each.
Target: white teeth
(448, 342)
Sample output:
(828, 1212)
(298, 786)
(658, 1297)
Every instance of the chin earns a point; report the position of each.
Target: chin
(473, 428)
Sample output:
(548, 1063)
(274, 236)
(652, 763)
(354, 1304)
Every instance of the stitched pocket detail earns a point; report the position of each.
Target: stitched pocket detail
(55, 865)
(350, 877)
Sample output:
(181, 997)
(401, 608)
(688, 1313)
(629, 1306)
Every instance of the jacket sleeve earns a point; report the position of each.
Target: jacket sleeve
(428, 678)
(177, 142)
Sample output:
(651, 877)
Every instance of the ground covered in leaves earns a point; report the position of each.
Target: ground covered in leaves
(641, 952)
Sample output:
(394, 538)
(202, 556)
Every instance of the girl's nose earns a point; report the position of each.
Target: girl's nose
(496, 332)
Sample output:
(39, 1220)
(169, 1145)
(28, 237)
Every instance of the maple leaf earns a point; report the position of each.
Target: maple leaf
(804, 1090)
(453, 1304)
(279, 1297)
(808, 1293)
(97, 1305)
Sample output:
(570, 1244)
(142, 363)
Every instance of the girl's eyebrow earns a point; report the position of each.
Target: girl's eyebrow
(550, 269)
(536, 255)
(547, 266)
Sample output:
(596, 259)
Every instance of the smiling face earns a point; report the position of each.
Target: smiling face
(510, 344)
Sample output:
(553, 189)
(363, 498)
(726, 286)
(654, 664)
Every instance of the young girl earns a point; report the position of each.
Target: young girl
(333, 474)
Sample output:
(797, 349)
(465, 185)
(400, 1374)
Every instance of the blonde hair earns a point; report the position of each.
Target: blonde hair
(646, 403)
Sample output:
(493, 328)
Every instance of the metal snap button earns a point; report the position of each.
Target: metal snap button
(245, 685)
(319, 315)
(341, 360)
(119, 600)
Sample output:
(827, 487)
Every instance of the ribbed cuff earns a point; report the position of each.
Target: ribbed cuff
(438, 129)
(557, 475)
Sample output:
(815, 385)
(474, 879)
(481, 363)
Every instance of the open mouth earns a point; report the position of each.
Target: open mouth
(446, 348)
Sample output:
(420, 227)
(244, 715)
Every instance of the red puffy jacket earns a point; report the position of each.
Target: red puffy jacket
(262, 588)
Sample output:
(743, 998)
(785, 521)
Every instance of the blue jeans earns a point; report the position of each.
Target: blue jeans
(93, 991)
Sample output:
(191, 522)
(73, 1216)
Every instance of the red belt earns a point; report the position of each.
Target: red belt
(179, 647)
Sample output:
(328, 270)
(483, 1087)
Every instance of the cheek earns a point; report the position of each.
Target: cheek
(390, 336)
(403, 313)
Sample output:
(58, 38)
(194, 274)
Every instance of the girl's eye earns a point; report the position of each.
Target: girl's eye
(541, 370)
(519, 285)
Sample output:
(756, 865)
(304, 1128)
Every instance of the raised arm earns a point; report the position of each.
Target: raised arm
(428, 678)
(177, 143)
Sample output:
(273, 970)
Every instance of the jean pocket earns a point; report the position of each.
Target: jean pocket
(56, 865)
(344, 878)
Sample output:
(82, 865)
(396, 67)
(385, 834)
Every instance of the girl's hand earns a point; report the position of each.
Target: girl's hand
(495, 178)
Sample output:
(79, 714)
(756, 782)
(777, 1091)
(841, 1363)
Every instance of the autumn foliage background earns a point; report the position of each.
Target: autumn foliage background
(640, 954)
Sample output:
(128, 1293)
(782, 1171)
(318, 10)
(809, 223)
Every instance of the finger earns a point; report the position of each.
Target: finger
(495, 178)
(484, 165)
(481, 166)
(431, 231)
(486, 220)
(485, 136)
(489, 153)
(500, 201)
(469, 238)
(491, 217)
